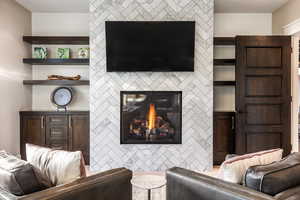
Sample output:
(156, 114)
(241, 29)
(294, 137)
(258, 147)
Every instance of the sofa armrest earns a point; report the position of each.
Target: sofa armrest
(184, 184)
(110, 185)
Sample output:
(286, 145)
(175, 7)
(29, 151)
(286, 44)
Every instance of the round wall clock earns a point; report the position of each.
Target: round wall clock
(62, 97)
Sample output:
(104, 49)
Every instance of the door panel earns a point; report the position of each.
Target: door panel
(32, 131)
(79, 135)
(259, 86)
(260, 57)
(260, 114)
(256, 141)
(223, 142)
(263, 91)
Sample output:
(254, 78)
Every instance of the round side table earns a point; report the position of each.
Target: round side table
(149, 182)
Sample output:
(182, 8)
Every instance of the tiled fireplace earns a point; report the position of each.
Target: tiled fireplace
(195, 150)
(151, 117)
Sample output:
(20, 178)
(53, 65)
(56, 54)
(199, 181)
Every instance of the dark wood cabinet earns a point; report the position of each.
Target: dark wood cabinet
(224, 138)
(58, 130)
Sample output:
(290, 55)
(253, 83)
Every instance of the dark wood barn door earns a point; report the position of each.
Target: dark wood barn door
(263, 93)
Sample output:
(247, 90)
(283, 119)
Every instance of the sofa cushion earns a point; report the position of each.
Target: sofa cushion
(234, 169)
(275, 177)
(290, 194)
(59, 166)
(19, 177)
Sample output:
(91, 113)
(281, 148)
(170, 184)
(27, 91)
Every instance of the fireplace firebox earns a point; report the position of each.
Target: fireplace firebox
(151, 117)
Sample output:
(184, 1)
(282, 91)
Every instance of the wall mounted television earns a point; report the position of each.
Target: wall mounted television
(158, 46)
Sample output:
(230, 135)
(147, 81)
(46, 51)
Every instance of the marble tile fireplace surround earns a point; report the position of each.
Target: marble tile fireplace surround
(195, 150)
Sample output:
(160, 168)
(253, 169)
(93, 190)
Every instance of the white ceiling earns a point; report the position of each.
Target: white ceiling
(75, 6)
(248, 6)
(221, 6)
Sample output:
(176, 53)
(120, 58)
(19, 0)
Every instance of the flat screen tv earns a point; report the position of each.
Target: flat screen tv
(150, 46)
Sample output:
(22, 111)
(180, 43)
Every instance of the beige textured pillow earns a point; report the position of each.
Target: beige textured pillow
(59, 166)
(234, 169)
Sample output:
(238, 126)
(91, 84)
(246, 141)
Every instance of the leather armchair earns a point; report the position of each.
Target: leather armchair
(184, 184)
(110, 185)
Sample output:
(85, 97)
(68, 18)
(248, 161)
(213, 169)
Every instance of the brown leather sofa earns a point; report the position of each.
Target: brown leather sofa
(184, 184)
(110, 185)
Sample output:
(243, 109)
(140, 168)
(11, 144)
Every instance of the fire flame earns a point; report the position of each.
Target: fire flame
(152, 117)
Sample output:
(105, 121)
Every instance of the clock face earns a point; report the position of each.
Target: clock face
(62, 96)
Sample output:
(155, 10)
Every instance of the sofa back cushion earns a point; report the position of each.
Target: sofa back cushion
(275, 177)
(234, 169)
(19, 177)
(59, 166)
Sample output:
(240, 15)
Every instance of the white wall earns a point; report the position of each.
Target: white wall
(60, 24)
(285, 15)
(229, 25)
(15, 21)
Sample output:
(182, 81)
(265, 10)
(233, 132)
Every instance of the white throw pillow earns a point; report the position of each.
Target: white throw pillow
(234, 169)
(59, 166)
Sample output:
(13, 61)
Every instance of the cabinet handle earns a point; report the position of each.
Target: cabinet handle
(42, 122)
(70, 122)
(232, 123)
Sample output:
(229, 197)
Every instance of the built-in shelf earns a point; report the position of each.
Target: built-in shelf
(72, 40)
(55, 61)
(56, 82)
(224, 83)
(224, 62)
(224, 41)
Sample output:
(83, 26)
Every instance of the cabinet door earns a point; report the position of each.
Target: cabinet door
(79, 126)
(223, 142)
(57, 132)
(32, 131)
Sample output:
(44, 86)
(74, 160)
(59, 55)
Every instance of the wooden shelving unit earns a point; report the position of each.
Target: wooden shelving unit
(55, 61)
(73, 40)
(224, 41)
(56, 82)
(57, 40)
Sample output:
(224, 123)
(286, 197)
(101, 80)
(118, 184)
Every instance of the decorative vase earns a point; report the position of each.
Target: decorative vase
(83, 52)
(40, 52)
(63, 53)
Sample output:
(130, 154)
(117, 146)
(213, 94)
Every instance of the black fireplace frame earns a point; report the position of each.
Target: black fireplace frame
(178, 136)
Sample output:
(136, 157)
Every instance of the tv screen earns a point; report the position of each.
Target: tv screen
(150, 46)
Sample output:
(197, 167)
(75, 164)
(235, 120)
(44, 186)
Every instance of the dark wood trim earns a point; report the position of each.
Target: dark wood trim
(56, 61)
(224, 41)
(56, 82)
(74, 40)
(224, 62)
(51, 112)
(229, 112)
(224, 83)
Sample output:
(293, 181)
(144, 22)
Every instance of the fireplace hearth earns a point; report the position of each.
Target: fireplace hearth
(151, 117)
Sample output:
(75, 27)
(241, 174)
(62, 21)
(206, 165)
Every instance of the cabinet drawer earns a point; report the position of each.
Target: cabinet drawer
(57, 133)
(57, 120)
